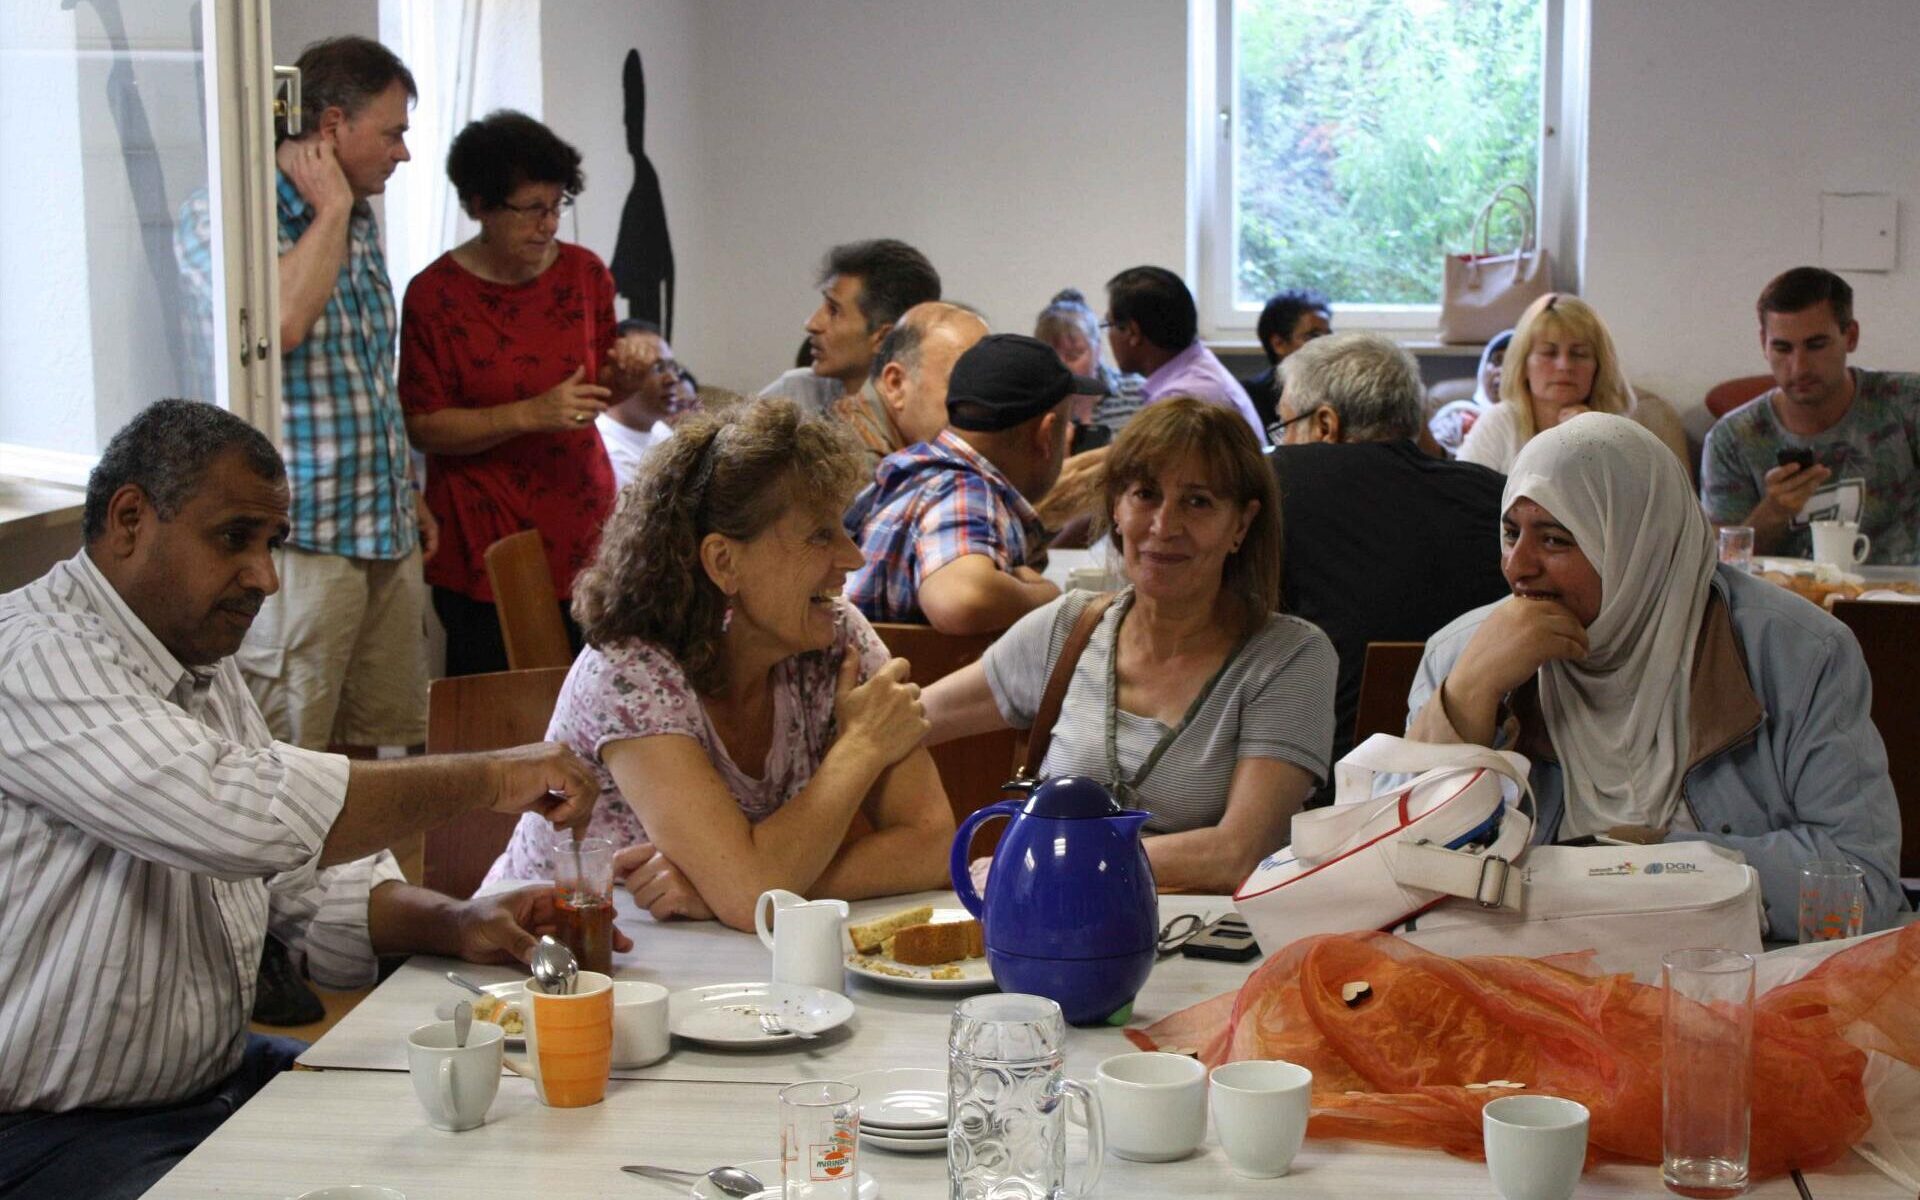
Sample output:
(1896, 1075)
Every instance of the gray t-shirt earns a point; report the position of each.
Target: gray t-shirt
(1274, 700)
(811, 392)
(1874, 454)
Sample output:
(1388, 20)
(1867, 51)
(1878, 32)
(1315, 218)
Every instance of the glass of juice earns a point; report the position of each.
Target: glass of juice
(583, 894)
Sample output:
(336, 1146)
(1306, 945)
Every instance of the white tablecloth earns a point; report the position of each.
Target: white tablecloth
(360, 1123)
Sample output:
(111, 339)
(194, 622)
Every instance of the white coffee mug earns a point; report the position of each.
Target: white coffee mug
(1839, 542)
(640, 1032)
(1260, 1110)
(455, 1084)
(1155, 1105)
(804, 936)
(1535, 1146)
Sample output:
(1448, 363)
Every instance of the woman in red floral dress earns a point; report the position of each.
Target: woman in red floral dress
(506, 356)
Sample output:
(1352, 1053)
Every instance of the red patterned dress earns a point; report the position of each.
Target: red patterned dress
(470, 343)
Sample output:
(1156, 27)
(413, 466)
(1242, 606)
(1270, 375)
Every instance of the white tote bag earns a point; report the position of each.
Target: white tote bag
(1370, 861)
(1443, 861)
(1628, 904)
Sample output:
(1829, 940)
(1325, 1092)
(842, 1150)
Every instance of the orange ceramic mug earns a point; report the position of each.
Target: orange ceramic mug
(569, 1041)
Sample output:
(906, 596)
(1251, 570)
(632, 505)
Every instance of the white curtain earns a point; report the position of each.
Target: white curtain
(468, 58)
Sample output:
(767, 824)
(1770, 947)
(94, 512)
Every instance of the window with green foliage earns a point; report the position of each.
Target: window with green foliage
(1368, 133)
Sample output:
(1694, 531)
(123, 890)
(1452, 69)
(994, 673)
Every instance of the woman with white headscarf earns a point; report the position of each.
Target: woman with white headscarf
(1659, 695)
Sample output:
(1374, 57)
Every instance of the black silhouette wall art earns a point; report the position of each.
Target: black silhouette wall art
(643, 254)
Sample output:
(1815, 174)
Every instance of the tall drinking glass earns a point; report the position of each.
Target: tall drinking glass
(1708, 1071)
(1833, 900)
(1736, 546)
(819, 1126)
(583, 896)
(1006, 1096)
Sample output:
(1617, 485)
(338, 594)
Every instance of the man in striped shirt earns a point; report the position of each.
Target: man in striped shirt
(152, 830)
(338, 658)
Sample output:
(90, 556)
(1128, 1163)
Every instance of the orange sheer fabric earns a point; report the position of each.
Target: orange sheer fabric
(1394, 1067)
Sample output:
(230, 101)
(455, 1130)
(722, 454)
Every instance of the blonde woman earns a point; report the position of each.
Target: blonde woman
(1561, 363)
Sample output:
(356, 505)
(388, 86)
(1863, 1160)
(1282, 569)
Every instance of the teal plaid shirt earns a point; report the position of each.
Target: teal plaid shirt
(342, 431)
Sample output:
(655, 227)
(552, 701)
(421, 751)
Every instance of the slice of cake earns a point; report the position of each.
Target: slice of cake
(930, 945)
(867, 938)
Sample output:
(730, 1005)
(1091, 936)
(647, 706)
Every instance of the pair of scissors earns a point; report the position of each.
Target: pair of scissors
(1178, 932)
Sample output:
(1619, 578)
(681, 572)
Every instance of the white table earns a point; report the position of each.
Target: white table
(891, 1027)
(311, 1129)
(701, 1107)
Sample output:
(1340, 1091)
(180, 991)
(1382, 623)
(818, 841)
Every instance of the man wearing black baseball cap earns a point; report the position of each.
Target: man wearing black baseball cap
(947, 526)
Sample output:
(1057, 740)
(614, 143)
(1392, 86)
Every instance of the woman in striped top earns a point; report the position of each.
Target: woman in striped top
(1194, 700)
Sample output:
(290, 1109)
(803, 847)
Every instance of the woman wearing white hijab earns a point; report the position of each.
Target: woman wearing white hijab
(1659, 695)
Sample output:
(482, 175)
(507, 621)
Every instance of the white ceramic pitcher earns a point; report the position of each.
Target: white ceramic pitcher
(804, 936)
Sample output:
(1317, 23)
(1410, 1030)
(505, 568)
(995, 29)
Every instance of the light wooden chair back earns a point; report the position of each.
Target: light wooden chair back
(481, 712)
(971, 769)
(1385, 679)
(529, 608)
(1889, 637)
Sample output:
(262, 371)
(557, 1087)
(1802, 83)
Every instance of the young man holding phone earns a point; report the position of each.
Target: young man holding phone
(1828, 443)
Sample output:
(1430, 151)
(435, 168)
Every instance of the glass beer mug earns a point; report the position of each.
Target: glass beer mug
(1007, 1102)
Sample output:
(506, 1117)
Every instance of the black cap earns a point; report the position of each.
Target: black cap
(1008, 379)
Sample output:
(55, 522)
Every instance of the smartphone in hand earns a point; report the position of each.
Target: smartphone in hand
(1802, 458)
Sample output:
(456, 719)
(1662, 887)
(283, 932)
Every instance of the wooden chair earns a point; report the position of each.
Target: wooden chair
(528, 606)
(971, 769)
(1729, 394)
(1889, 636)
(481, 712)
(1385, 679)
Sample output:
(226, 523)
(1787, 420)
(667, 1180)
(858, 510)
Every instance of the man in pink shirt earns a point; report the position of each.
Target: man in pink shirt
(1152, 325)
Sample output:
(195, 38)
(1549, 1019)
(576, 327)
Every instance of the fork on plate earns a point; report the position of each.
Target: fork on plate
(773, 1026)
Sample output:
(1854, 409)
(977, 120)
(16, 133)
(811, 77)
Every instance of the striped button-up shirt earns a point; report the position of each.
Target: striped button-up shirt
(151, 831)
(344, 436)
(928, 505)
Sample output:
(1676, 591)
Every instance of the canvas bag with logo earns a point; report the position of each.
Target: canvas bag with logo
(1369, 861)
(1443, 860)
(1484, 293)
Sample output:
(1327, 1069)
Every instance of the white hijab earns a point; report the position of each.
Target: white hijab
(1618, 719)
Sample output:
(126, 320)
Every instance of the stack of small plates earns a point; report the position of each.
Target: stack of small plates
(903, 1109)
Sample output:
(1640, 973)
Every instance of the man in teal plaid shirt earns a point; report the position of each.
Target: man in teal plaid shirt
(337, 657)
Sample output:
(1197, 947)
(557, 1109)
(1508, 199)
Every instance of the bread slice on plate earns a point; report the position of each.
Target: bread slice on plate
(930, 945)
(867, 937)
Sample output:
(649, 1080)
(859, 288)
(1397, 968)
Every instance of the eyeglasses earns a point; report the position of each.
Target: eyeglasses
(1278, 430)
(539, 212)
(1110, 323)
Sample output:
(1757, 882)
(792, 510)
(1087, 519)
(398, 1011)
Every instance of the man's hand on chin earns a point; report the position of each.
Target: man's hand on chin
(503, 927)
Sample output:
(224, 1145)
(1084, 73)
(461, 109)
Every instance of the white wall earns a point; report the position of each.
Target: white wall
(1022, 145)
(1715, 125)
(585, 44)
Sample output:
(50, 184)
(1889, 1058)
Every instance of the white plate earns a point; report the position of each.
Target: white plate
(907, 1135)
(507, 990)
(767, 1170)
(900, 1100)
(905, 1145)
(728, 1014)
(975, 975)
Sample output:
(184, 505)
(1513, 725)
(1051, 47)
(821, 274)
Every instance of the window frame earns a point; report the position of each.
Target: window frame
(1559, 192)
(239, 87)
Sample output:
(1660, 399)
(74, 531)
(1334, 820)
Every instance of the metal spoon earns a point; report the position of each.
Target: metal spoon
(731, 1181)
(463, 981)
(462, 1022)
(554, 967)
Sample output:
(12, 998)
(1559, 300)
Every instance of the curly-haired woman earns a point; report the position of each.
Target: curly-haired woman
(507, 353)
(738, 711)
